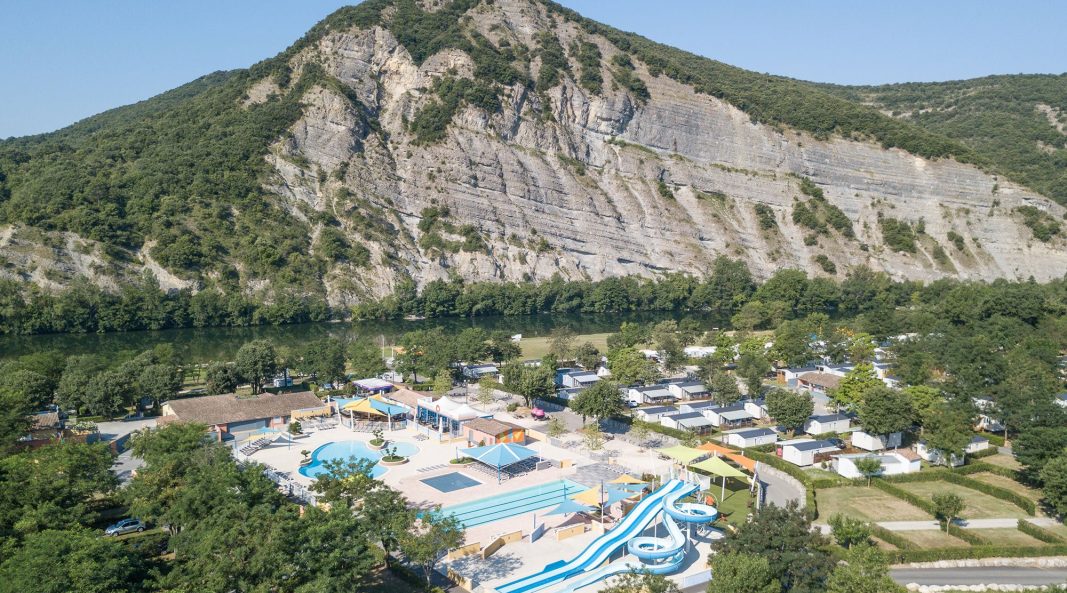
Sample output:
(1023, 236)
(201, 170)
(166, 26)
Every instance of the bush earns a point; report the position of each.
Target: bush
(897, 234)
(664, 190)
(957, 240)
(968, 536)
(984, 453)
(1041, 224)
(964, 553)
(1039, 533)
(960, 479)
(824, 262)
(765, 216)
(512, 407)
(891, 537)
(904, 495)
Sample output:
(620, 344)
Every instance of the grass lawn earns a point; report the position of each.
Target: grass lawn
(933, 538)
(978, 505)
(1009, 484)
(1002, 460)
(883, 545)
(1008, 537)
(865, 503)
(538, 347)
(1060, 530)
(735, 505)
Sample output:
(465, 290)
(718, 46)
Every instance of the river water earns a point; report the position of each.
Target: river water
(219, 343)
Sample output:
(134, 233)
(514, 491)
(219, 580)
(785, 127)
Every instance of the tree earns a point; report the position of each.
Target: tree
(487, 387)
(221, 378)
(530, 382)
(442, 382)
(1035, 447)
(502, 348)
(430, 537)
(30, 385)
(15, 410)
(861, 348)
(672, 355)
(325, 360)
(555, 428)
(1054, 479)
(869, 466)
(854, 386)
(470, 345)
(594, 440)
(365, 359)
(587, 356)
(792, 343)
(741, 573)
(109, 393)
(724, 389)
(925, 400)
(71, 561)
(628, 366)
(884, 411)
(790, 410)
(947, 506)
(602, 400)
(849, 531)
(256, 362)
(159, 382)
(752, 368)
(864, 571)
(74, 390)
(796, 554)
(947, 430)
(561, 343)
(630, 335)
(642, 582)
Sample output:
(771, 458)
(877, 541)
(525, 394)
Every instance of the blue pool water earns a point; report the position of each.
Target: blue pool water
(352, 450)
(516, 502)
(450, 482)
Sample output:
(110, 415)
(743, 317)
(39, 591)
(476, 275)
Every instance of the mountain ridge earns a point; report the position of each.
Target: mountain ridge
(438, 155)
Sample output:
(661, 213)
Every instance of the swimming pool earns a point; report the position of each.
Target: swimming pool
(450, 482)
(352, 450)
(516, 502)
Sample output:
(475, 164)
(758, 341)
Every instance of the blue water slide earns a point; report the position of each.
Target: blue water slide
(602, 547)
(657, 555)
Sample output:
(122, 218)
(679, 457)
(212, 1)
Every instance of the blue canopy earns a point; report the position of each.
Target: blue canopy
(500, 455)
(569, 507)
(390, 409)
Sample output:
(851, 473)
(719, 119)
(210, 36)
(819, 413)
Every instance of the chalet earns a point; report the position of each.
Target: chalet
(490, 431)
(872, 442)
(756, 407)
(691, 421)
(686, 390)
(698, 351)
(824, 423)
(569, 393)
(650, 394)
(475, 372)
(1061, 400)
(700, 407)
(750, 437)
(373, 385)
(818, 382)
(579, 379)
(788, 376)
(734, 416)
(804, 452)
(893, 463)
(652, 414)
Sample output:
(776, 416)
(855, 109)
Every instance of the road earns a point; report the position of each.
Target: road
(125, 464)
(991, 575)
(779, 490)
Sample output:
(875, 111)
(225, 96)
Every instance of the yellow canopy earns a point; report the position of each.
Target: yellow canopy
(718, 467)
(363, 406)
(682, 454)
(626, 479)
(311, 413)
(593, 497)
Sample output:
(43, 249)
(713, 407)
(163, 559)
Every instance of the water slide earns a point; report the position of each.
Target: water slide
(636, 521)
(657, 555)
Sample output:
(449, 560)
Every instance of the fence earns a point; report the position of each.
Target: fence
(695, 579)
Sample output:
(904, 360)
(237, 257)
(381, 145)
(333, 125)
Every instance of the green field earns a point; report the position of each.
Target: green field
(1002, 460)
(538, 347)
(979, 505)
(933, 538)
(865, 503)
(1008, 537)
(1008, 484)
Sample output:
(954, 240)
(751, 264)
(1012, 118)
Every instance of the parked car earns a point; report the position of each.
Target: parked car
(840, 444)
(632, 404)
(125, 526)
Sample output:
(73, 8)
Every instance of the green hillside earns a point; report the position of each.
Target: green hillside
(1010, 121)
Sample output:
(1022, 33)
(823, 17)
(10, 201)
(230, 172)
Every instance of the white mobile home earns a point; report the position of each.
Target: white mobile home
(687, 390)
(734, 416)
(652, 414)
(875, 442)
(691, 421)
(824, 423)
(651, 394)
(893, 463)
(803, 452)
(750, 437)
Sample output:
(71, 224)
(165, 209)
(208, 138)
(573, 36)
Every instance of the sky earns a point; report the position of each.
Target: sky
(63, 60)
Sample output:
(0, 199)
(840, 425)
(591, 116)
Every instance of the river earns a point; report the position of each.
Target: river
(196, 345)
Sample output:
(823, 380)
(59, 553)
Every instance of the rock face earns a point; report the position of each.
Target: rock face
(583, 185)
(610, 186)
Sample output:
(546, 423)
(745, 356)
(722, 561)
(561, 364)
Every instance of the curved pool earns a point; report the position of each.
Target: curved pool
(352, 450)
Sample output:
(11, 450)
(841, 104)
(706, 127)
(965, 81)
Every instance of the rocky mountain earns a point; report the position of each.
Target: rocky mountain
(405, 140)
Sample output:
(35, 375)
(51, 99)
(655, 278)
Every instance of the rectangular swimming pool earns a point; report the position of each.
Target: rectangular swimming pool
(516, 502)
(450, 482)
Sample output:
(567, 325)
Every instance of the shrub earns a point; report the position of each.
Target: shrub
(664, 190)
(957, 240)
(904, 495)
(808, 188)
(765, 216)
(966, 535)
(891, 537)
(824, 262)
(1041, 224)
(589, 60)
(962, 553)
(1039, 533)
(897, 234)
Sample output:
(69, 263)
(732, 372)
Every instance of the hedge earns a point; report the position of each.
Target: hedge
(1040, 533)
(960, 479)
(904, 495)
(890, 537)
(991, 451)
(997, 440)
(968, 536)
(976, 468)
(966, 553)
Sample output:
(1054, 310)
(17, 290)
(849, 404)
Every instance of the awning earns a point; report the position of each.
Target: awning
(607, 496)
(390, 408)
(569, 507)
(718, 467)
(363, 406)
(261, 433)
(500, 455)
(626, 479)
(682, 454)
(312, 412)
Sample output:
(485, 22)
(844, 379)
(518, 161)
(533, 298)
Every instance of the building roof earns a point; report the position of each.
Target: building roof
(691, 385)
(227, 408)
(812, 445)
(492, 426)
(978, 439)
(741, 414)
(657, 410)
(373, 383)
(685, 415)
(908, 454)
(751, 433)
(709, 405)
(824, 379)
(44, 421)
(829, 417)
(582, 375)
(799, 370)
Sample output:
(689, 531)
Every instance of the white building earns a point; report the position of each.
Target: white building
(580, 379)
(756, 407)
(650, 394)
(893, 463)
(802, 452)
(872, 442)
(697, 406)
(734, 416)
(699, 351)
(750, 437)
(824, 423)
(653, 413)
(936, 457)
(691, 421)
(686, 390)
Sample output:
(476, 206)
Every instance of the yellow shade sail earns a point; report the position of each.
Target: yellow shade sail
(592, 497)
(682, 454)
(718, 467)
(626, 479)
(363, 406)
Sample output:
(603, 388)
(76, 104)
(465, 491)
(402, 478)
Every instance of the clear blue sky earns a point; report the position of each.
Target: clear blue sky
(67, 59)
